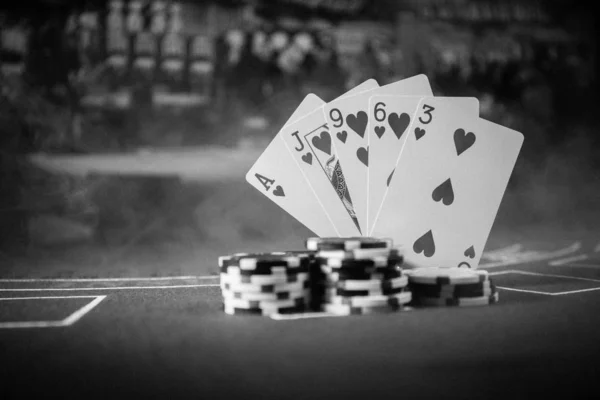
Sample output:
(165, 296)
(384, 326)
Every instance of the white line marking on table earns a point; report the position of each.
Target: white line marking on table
(155, 278)
(104, 288)
(533, 256)
(70, 320)
(577, 291)
(524, 291)
(555, 276)
(503, 251)
(568, 260)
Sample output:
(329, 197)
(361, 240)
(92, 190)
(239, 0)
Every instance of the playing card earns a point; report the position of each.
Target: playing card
(309, 141)
(277, 176)
(390, 117)
(448, 184)
(348, 119)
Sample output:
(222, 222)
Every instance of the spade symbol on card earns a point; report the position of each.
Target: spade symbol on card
(444, 193)
(307, 158)
(323, 142)
(278, 191)
(419, 133)
(379, 131)
(363, 155)
(463, 141)
(470, 252)
(342, 136)
(399, 123)
(358, 122)
(425, 244)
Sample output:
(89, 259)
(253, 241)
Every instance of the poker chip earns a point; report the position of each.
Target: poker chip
(264, 270)
(373, 292)
(446, 276)
(280, 295)
(365, 275)
(371, 301)
(336, 243)
(254, 261)
(231, 310)
(486, 288)
(269, 288)
(340, 309)
(369, 284)
(458, 302)
(359, 254)
(300, 300)
(272, 279)
(374, 262)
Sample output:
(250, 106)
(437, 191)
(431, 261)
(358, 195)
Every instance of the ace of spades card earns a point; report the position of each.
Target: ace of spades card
(349, 122)
(448, 184)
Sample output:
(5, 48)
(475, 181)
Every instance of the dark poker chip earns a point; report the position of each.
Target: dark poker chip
(453, 291)
(356, 293)
(339, 263)
(343, 274)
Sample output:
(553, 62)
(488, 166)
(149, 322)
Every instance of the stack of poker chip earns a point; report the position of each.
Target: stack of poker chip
(461, 287)
(265, 283)
(354, 276)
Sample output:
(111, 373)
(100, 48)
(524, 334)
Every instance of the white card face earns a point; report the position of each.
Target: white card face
(348, 117)
(448, 185)
(309, 142)
(276, 175)
(390, 118)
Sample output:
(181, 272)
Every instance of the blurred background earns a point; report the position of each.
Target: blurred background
(128, 126)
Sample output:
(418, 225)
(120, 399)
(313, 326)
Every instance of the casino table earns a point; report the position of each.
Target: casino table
(170, 339)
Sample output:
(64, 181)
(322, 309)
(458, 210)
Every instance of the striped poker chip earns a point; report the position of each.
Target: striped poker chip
(486, 288)
(264, 270)
(446, 276)
(340, 309)
(263, 279)
(458, 302)
(253, 261)
(231, 310)
(362, 275)
(359, 254)
(374, 262)
(369, 284)
(269, 288)
(266, 304)
(371, 301)
(281, 295)
(350, 243)
(337, 292)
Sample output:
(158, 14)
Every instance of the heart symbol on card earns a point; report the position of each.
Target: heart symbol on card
(419, 133)
(470, 252)
(342, 136)
(425, 244)
(307, 158)
(278, 191)
(323, 142)
(363, 155)
(444, 193)
(358, 122)
(463, 141)
(399, 123)
(379, 131)
(389, 179)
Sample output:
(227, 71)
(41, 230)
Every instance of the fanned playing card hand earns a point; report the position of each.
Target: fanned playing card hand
(393, 161)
